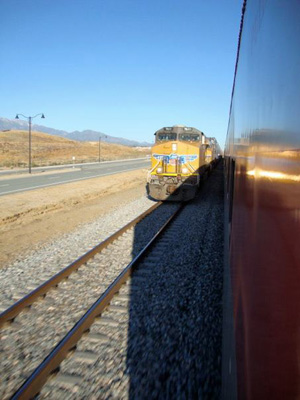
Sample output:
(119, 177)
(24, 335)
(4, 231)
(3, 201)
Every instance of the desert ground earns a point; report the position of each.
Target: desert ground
(53, 150)
(29, 219)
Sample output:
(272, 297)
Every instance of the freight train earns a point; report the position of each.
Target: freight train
(261, 341)
(180, 158)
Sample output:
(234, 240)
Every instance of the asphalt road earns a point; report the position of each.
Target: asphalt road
(78, 173)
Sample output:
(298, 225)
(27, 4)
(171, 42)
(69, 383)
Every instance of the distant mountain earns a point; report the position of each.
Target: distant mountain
(83, 136)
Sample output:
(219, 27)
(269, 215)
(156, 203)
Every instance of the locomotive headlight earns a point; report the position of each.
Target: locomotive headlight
(159, 170)
(174, 146)
(185, 170)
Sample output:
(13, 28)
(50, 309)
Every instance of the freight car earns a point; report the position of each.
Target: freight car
(261, 346)
(180, 157)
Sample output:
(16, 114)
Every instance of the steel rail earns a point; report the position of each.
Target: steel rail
(32, 386)
(41, 290)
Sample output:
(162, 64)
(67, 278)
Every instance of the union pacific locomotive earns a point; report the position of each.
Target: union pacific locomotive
(181, 155)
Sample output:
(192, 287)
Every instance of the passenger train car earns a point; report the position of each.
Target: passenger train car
(261, 342)
(180, 157)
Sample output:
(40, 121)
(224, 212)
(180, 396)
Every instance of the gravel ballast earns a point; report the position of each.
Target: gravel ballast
(26, 341)
(49, 259)
(161, 337)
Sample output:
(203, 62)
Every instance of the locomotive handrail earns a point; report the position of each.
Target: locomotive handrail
(149, 172)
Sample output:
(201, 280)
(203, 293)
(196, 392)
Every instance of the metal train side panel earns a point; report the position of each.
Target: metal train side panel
(263, 179)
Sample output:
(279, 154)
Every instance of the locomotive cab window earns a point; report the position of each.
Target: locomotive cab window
(189, 137)
(165, 137)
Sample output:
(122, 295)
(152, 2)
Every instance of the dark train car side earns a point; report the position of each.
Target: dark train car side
(262, 159)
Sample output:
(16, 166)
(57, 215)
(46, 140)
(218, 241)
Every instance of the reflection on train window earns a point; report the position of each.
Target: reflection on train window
(189, 137)
(164, 137)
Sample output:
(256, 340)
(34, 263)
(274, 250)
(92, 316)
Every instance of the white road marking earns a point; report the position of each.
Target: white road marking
(71, 180)
(58, 167)
(6, 184)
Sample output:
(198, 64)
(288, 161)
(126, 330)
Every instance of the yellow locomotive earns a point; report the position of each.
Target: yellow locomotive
(180, 157)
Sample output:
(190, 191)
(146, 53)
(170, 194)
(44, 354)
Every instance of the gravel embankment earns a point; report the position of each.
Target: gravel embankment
(26, 342)
(161, 337)
(33, 267)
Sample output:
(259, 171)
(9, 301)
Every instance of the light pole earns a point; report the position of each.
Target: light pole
(100, 147)
(29, 123)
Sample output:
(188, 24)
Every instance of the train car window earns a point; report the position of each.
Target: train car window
(189, 137)
(164, 137)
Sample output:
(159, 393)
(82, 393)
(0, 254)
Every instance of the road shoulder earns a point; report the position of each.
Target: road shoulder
(29, 219)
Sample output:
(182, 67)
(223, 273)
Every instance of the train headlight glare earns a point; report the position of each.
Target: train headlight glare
(159, 170)
(185, 170)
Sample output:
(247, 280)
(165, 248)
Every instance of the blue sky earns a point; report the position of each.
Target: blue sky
(122, 67)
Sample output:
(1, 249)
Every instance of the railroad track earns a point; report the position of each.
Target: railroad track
(95, 270)
(10, 313)
(158, 335)
(35, 382)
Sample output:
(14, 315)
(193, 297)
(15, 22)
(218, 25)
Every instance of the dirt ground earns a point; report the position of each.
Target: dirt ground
(32, 218)
(52, 150)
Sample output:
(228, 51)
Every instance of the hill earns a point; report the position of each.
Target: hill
(85, 136)
(53, 150)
